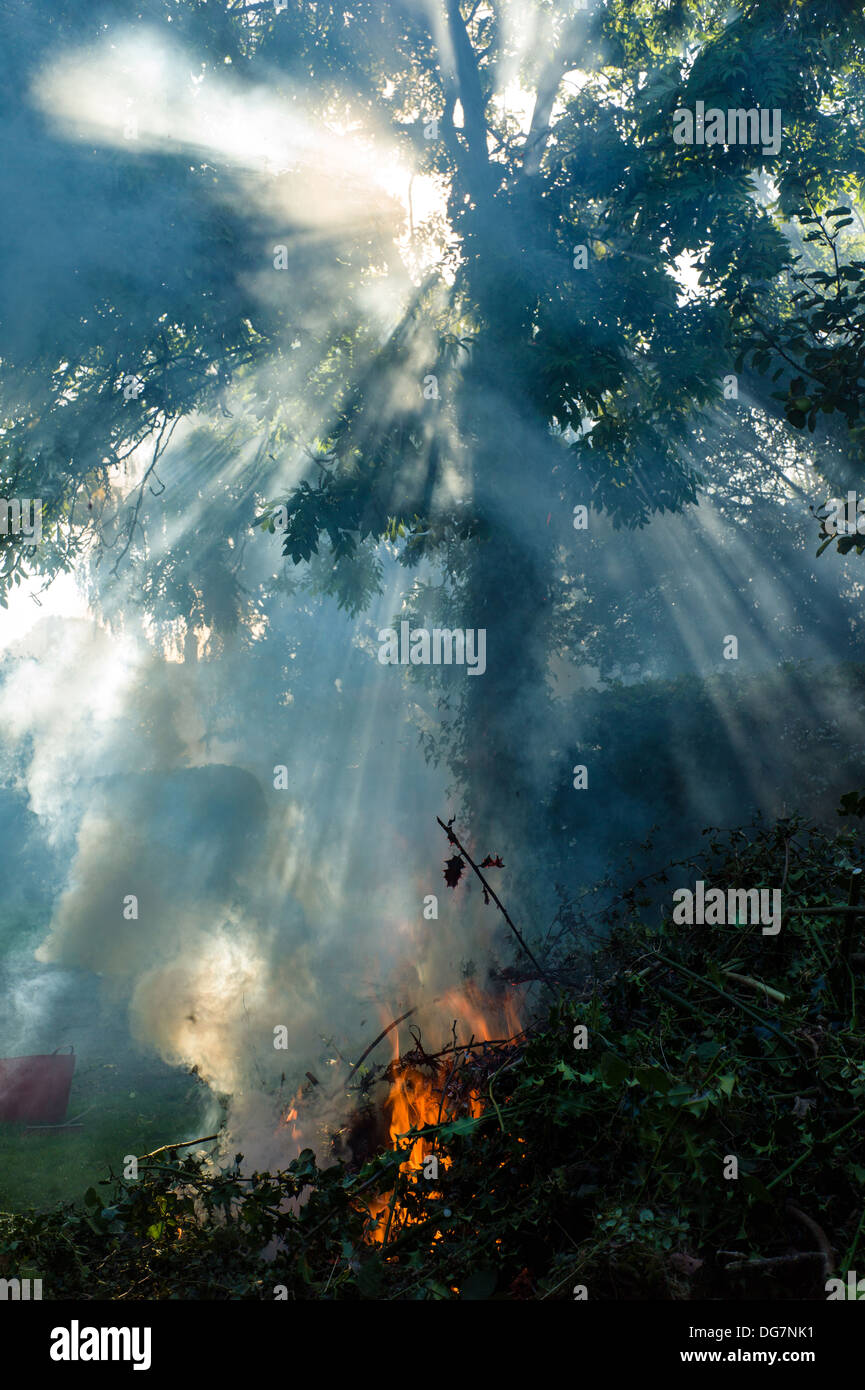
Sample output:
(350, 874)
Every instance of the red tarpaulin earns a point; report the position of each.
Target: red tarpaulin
(35, 1090)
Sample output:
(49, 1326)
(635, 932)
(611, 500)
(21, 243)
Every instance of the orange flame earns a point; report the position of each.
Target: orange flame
(483, 1016)
(420, 1096)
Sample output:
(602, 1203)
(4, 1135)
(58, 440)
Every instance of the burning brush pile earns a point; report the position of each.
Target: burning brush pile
(420, 1097)
(416, 1100)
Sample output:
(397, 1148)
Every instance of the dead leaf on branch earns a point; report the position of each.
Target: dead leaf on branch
(454, 870)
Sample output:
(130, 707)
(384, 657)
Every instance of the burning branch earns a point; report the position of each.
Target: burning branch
(375, 1042)
(187, 1144)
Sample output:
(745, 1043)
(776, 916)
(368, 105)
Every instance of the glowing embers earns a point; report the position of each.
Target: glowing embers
(291, 1115)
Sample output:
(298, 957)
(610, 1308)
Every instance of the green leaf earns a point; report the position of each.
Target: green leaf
(479, 1285)
(466, 1125)
(680, 1095)
(653, 1079)
(370, 1278)
(613, 1070)
(754, 1188)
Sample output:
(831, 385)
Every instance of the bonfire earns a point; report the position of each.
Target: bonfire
(408, 1103)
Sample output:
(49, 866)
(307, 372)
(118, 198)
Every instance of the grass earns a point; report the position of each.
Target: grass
(131, 1108)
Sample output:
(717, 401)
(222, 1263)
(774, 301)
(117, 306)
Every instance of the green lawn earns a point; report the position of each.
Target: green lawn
(132, 1107)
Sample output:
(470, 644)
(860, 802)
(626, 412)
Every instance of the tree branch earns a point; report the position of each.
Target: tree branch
(471, 96)
(545, 96)
(492, 893)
